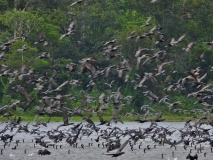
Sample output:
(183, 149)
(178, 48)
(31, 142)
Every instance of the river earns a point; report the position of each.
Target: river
(27, 150)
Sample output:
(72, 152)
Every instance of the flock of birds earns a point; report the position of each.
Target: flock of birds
(52, 101)
(38, 138)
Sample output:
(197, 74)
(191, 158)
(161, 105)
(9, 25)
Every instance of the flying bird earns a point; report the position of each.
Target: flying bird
(118, 153)
(209, 43)
(76, 2)
(147, 22)
(189, 46)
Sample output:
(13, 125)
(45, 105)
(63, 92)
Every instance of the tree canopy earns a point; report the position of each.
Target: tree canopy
(132, 52)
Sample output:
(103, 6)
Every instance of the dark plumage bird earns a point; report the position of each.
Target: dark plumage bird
(195, 157)
(161, 38)
(159, 117)
(200, 57)
(102, 121)
(110, 42)
(118, 153)
(40, 39)
(186, 142)
(187, 15)
(168, 11)
(71, 66)
(23, 48)
(44, 55)
(44, 152)
(132, 35)
(65, 119)
(88, 120)
(174, 104)
(22, 90)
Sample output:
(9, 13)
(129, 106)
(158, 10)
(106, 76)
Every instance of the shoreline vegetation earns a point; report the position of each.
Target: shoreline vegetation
(168, 118)
(106, 59)
(125, 65)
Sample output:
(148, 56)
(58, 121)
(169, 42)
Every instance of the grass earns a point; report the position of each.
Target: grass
(176, 118)
(27, 118)
(30, 117)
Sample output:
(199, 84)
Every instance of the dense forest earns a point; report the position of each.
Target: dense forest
(110, 57)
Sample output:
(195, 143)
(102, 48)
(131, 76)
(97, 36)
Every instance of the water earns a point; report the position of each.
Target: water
(95, 152)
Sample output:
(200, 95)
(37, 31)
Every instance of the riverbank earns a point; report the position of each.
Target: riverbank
(45, 118)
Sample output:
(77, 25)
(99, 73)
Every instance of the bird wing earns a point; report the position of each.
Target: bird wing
(190, 44)
(120, 73)
(138, 52)
(142, 81)
(181, 38)
(145, 115)
(153, 29)
(132, 33)
(159, 114)
(107, 71)
(72, 25)
(29, 104)
(101, 98)
(90, 121)
(202, 55)
(24, 92)
(184, 1)
(2, 54)
(148, 20)
(172, 42)
(100, 117)
(201, 78)
(138, 62)
(74, 3)
(65, 117)
(63, 84)
(122, 146)
(160, 68)
(52, 81)
(153, 1)
(62, 36)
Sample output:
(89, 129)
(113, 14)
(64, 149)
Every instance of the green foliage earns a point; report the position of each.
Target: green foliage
(98, 22)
